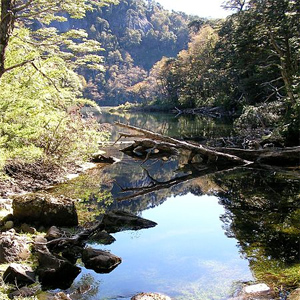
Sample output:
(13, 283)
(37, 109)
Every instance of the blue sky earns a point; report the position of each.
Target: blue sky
(202, 8)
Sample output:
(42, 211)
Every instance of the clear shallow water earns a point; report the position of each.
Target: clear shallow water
(186, 256)
(203, 245)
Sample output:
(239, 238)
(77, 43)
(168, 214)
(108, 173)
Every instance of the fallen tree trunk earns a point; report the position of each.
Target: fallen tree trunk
(209, 155)
(289, 156)
(274, 156)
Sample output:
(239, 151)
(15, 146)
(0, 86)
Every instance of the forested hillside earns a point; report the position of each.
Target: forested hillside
(248, 64)
(135, 34)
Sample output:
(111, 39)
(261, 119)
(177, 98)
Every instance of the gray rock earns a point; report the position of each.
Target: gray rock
(19, 275)
(150, 296)
(116, 221)
(13, 247)
(258, 291)
(53, 233)
(100, 261)
(44, 209)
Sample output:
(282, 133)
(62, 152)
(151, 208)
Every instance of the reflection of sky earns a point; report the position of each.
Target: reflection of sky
(186, 256)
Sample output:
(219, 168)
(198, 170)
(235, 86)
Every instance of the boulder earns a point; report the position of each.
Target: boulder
(259, 291)
(100, 261)
(55, 271)
(150, 296)
(13, 247)
(44, 209)
(19, 274)
(116, 221)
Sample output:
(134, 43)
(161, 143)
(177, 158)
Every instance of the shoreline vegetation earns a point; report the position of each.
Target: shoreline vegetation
(52, 65)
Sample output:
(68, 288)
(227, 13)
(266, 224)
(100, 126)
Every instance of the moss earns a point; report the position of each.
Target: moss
(277, 274)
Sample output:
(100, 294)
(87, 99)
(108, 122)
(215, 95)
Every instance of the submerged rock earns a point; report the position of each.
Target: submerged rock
(44, 209)
(13, 247)
(100, 261)
(258, 291)
(150, 296)
(19, 275)
(116, 221)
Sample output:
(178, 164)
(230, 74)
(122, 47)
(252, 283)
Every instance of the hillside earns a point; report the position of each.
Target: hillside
(135, 35)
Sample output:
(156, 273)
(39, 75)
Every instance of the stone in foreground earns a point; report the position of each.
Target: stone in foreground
(44, 209)
(150, 296)
(55, 271)
(19, 275)
(13, 247)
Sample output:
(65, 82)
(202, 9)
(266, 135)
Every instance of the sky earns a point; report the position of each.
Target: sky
(201, 8)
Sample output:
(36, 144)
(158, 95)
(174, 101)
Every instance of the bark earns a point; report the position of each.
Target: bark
(6, 27)
(289, 156)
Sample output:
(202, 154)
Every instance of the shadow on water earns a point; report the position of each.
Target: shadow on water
(216, 228)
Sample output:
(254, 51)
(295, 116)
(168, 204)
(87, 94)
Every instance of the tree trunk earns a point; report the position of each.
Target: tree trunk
(6, 27)
(210, 155)
(274, 156)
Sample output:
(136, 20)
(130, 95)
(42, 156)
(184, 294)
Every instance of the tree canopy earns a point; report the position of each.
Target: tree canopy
(41, 92)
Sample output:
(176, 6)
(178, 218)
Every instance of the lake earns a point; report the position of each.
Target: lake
(215, 231)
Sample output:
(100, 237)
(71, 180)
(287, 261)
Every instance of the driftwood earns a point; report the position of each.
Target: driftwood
(208, 155)
(289, 156)
(235, 156)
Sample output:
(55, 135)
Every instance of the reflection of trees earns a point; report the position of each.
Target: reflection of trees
(139, 186)
(263, 213)
(84, 289)
(184, 126)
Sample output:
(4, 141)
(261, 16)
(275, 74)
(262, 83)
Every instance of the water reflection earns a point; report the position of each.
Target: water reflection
(202, 216)
(186, 256)
(263, 213)
(191, 127)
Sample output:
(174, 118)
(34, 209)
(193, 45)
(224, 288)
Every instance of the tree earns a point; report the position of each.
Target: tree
(17, 12)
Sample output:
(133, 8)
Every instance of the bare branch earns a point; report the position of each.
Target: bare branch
(46, 76)
(18, 65)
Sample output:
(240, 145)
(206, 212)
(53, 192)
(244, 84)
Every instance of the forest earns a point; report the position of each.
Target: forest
(63, 62)
(57, 58)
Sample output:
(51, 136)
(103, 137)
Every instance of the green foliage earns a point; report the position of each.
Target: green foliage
(39, 108)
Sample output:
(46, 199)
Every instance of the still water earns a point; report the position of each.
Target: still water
(186, 256)
(216, 229)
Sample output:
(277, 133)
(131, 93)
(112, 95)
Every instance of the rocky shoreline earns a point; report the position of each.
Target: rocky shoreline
(28, 235)
(41, 241)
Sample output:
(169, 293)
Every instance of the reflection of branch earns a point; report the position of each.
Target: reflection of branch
(154, 187)
(157, 185)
